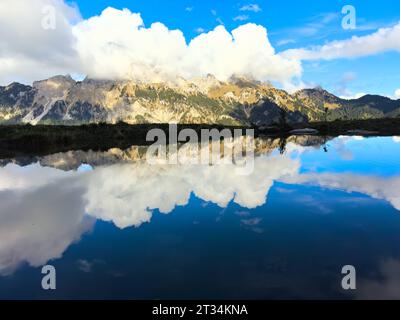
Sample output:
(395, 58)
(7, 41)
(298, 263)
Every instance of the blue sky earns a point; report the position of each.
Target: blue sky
(290, 24)
(311, 46)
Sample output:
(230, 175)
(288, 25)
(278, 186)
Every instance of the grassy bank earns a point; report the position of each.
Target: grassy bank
(380, 127)
(23, 140)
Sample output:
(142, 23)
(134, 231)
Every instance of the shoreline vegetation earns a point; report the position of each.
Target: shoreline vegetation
(25, 140)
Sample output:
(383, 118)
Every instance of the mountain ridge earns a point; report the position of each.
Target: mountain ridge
(239, 101)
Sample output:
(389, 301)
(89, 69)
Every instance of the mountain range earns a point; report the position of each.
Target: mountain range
(239, 101)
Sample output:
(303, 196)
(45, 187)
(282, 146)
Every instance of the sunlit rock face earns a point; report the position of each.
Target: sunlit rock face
(16, 101)
(202, 100)
(239, 101)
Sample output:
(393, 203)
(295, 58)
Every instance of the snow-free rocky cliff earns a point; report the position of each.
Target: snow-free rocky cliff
(62, 100)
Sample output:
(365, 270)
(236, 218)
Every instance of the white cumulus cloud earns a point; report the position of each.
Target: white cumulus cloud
(383, 40)
(354, 96)
(129, 49)
(242, 17)
(251, 7)
(27, 50)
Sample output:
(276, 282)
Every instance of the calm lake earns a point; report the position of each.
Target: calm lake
(114, 226)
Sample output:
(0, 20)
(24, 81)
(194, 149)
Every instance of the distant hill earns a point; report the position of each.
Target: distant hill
(240, 101)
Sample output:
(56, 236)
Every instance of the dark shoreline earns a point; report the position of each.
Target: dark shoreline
(23, 140)
(376, 127)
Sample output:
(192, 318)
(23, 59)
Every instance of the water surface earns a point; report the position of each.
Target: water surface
(114, 226)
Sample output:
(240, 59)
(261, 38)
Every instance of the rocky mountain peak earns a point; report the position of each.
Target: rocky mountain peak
(238, 101)
(55, 81)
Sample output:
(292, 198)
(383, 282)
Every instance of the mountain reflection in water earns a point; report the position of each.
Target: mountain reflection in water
(284, 231)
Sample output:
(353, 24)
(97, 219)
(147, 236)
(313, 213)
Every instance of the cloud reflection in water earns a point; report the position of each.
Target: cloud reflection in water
(44, 210)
